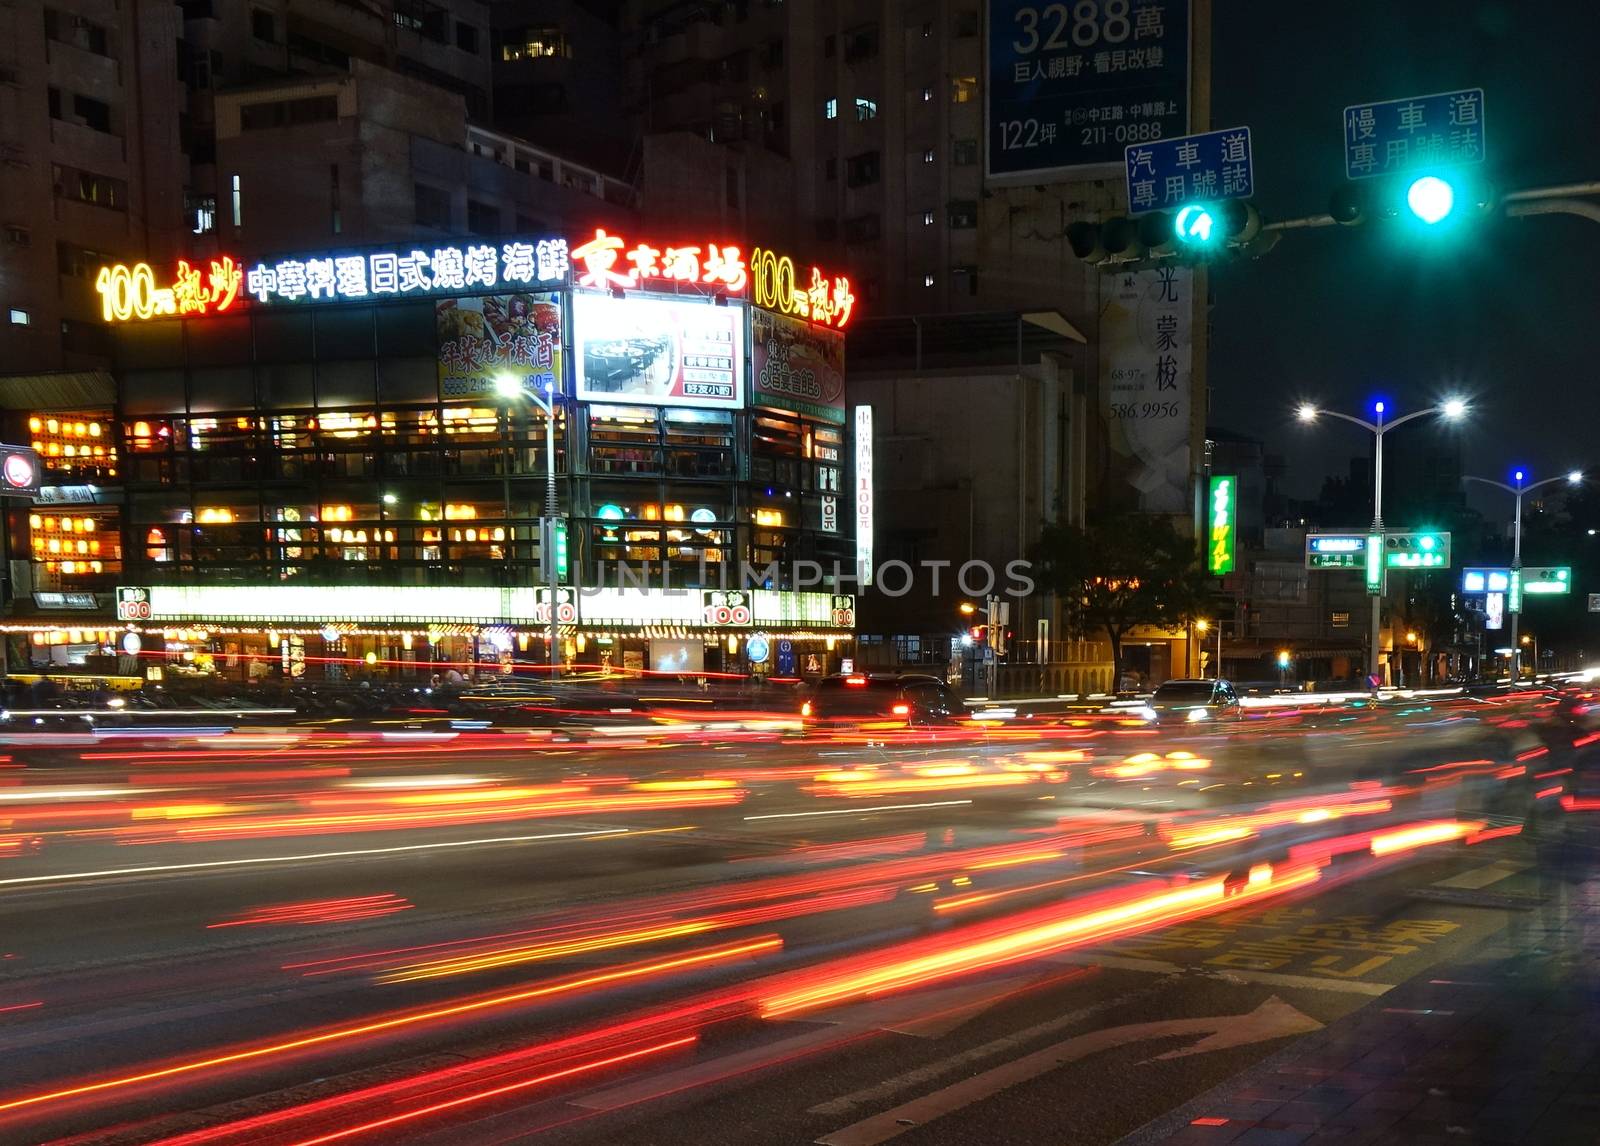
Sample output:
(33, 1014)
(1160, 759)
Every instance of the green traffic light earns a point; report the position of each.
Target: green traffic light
(1195, 225)
(1431, 199)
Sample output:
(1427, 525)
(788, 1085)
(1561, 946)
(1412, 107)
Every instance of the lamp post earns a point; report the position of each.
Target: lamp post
(1519, 487)
(509, 386)
(1451, 409)
(1516, 651)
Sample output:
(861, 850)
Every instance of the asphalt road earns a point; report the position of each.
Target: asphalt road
(1054, 932)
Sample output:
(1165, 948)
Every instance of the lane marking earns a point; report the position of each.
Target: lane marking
(890, 1087)
(1273, 1019)
(714, 1070)
(1309, 982)
(1481, 877)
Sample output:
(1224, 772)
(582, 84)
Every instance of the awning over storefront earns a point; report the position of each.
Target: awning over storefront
(57, 390)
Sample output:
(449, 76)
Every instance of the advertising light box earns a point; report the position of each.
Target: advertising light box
(658, 351)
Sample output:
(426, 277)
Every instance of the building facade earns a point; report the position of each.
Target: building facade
(318, 458)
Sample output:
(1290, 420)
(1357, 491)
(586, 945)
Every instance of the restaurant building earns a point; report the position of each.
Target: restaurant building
(326, 462)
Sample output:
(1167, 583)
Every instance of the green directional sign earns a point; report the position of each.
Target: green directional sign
(1546, 580)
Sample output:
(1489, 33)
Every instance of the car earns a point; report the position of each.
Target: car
(1193, 701)
(912, 698)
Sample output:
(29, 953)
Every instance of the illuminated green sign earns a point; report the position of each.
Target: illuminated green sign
(1546, 580)
(1224, 530)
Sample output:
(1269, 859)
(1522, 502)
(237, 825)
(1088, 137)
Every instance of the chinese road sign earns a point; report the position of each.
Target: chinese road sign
(1480, 580)
(1224, 506)
(1400, 135)
(1071, 85)
(1546, 580)
(1336, 550)
(1416, 550)
(1190, 169)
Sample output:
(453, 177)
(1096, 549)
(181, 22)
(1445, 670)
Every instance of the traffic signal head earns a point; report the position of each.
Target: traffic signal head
(1196, 226)
(1431, 199)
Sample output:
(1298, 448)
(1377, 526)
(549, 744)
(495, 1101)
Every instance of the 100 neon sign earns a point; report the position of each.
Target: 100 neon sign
(131, 292)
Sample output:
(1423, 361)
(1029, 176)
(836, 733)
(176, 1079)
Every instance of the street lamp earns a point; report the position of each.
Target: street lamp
(1520, 486)
(1204, 626)
(509, 386)
(1450, 409)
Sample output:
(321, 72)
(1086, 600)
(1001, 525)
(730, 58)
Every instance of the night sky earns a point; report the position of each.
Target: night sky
(1504, 311)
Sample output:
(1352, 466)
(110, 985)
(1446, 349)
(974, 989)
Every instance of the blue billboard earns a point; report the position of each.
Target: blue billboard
(1073, 85)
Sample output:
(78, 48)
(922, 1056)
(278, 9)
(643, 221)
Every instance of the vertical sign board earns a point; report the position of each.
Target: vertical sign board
(863, 421)
(1224, 512)
(1190, 169)
(1494, 611)
(1400, 135)
(1071, 85)
(1146, 357)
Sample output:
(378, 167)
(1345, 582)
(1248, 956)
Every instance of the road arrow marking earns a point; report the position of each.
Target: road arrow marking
(1271, 1020)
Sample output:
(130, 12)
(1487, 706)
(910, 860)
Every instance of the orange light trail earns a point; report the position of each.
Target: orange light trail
(1421, 835)
(319, 911)
(763, 945)
(665, 932)
(497, 1091)
(1027, 937)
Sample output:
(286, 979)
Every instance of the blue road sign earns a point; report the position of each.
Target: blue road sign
(1070, 85)
(1189, 169)
(1399, 135)
(786, 658)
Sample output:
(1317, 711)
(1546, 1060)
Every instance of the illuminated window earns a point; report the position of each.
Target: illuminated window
(866, 109)
(964, 89)
(927, 279)
(927, 218)
(927, 95)
(535, 44)
(20, 317)
(927, 156)
(830, 109)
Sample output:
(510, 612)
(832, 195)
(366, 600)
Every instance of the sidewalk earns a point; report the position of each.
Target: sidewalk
(1502, 1047)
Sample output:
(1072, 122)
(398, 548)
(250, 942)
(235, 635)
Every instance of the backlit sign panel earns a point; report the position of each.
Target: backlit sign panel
(1224, 510)
(1476, 580)
(1546, 580)
(658, 351)
(1336, 550)
(864, 504)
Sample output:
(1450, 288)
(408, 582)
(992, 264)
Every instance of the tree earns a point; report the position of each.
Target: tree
(1120, 572)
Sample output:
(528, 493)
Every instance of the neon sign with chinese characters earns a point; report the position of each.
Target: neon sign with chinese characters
(776, 285)
(131, 292)
(607, 261)
(410, 274)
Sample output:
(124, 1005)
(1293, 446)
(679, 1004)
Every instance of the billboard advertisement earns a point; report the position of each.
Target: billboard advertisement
(681, 656)
(1146, 360)
(658, 351)
(486, 335)
(796, 366)
(1071, 86)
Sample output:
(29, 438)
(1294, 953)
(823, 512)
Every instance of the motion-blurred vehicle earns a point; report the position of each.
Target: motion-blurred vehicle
(1196, 701)
(910, 698)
